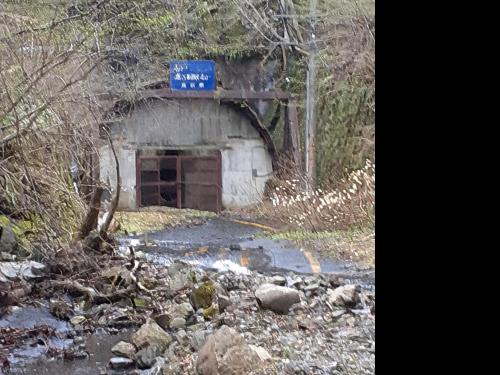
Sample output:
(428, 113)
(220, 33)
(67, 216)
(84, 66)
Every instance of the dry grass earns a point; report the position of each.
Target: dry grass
(151, 219)
(351, 203)
(337, 220)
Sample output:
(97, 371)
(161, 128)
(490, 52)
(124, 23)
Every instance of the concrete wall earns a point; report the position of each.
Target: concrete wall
(198, 125)
(126, 158)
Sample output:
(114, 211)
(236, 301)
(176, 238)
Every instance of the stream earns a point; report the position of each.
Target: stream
(218, 244)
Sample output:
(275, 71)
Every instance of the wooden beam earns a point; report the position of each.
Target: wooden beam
(218, 94)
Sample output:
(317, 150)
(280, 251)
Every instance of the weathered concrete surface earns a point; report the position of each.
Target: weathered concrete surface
(201, 125)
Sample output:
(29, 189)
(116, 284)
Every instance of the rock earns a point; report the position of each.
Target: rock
(261, 352)
(223, 302)
(235, 247)
(182, 337)
(198, 338)
(78, 340)
(225, 352)
(170, 354)
(180, 281)
(149, 282)
(124, 349)
(60, 309)
(146, 357)
(203, 296)
(239, 359)
(276, 298)
(140, 255)
(346, 295)
(77, 319)
(4, 256)
(27, 270)
(8, 241)
(151, 333)
(278, 280)
(120, 363)
(312, 287)
(178, 323)
(306, 323)
(80, 354)
(157, 369)
(338, 313)
(361, 311)
(180, 310)
(163, 320)
(210, 312)
(296, 282)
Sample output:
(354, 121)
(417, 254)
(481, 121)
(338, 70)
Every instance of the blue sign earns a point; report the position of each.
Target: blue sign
(192, 75)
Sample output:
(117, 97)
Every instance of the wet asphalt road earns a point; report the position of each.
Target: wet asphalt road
(227, 245)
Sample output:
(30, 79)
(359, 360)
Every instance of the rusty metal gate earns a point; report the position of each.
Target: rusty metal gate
(181, 181)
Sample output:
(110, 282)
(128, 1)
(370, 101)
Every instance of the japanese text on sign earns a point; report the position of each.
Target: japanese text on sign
(192, 75)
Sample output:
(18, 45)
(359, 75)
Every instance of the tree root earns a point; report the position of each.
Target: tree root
(93, 295)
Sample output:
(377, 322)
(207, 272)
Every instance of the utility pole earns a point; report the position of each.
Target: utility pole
(310, 125)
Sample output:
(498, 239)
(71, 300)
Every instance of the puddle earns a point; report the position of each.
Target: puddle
(30, 357)
(98, 346)
(29, 317)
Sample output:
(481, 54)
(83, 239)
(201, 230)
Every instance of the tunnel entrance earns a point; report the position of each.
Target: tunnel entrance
(177, 178)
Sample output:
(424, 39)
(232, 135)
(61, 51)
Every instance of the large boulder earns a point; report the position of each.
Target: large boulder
(226, 353)
(276, 298)
(151, 333)
(347, 295)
